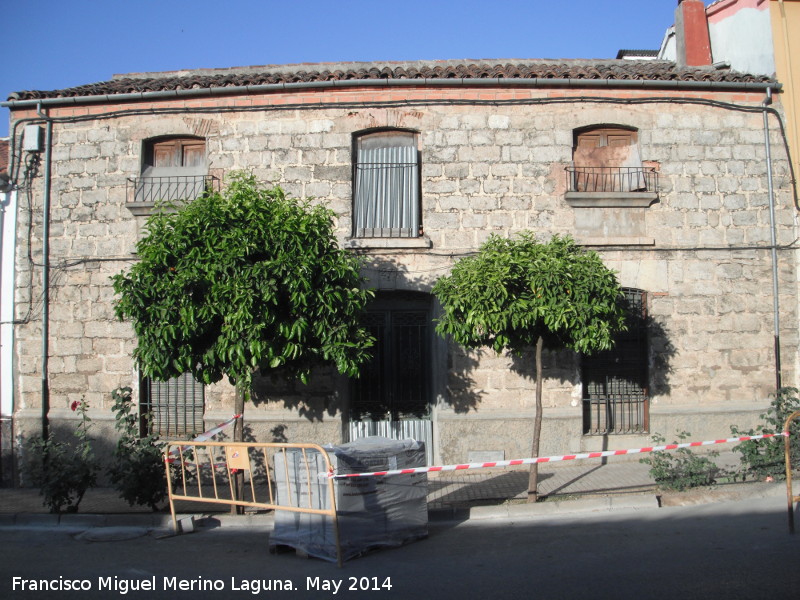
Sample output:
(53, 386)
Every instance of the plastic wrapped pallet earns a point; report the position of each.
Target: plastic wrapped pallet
(372, 512)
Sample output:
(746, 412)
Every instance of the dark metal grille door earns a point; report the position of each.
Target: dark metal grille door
(369, 390)
(395, 384)
(615, 397)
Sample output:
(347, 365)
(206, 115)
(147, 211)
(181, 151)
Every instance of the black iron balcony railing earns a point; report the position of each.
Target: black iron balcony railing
(173, 188)
(611, 179)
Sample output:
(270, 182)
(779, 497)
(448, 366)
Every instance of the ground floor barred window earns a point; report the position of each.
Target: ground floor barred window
(173, 408)
(615, 382)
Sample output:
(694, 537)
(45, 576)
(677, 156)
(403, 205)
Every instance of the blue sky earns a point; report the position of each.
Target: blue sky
(51, 44)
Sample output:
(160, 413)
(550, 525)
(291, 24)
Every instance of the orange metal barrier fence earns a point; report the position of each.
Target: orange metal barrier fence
(243, 474)
(791, 498)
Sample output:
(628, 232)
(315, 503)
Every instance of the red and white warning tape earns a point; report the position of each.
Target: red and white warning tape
(549, 459)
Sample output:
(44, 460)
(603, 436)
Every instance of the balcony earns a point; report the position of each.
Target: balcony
(611, 179)
(609, 203)
(143, 193)
(611, 186)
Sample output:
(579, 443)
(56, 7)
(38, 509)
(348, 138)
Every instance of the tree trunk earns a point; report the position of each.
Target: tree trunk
(238, 436)
(238, 409)
(533, 478)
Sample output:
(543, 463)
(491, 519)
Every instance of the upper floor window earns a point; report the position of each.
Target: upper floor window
(609, 187)
(607, 159)
(174, 156)
(386, 197)
(173, 169)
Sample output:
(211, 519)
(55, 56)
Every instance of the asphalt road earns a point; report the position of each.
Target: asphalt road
(733, 550)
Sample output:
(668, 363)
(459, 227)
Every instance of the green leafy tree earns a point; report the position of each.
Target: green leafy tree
(241, 282)
(515, 294)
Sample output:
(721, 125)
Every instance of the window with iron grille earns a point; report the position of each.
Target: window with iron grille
(606, 159)
(174, 153)
(173, 408)
(386, 187)
(173, 168)
(615, 389)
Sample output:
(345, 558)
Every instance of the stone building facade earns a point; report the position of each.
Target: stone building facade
(676, 199)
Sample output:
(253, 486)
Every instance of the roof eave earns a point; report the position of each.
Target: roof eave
(570, 83)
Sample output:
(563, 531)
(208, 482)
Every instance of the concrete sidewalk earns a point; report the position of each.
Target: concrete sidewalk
(587, 478)
(447, 490)
(581, 486)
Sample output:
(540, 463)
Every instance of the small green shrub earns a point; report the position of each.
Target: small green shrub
(766, 457)
(681, 469)
(137, 469)
(63, 471)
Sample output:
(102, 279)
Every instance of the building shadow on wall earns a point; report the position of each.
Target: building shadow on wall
(557, 365)
(462, 378)
(312, 401)
(568, 368)
(324, 395)
(661, 353)
(385, 274)
(648, 360)
(463, 393)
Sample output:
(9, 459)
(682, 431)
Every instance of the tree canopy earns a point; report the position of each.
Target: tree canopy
(242, 281)
(518, 293)
(516, 290)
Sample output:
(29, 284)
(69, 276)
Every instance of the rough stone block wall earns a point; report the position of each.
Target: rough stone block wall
(486, 169)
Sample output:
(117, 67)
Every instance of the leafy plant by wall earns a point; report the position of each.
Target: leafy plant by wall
(681, 469)
(137, 469)
(765, 458)
(64, 470)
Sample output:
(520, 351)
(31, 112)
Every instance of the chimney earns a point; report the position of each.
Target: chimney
(691, 30)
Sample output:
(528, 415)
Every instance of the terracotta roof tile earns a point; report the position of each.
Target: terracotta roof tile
(619, 70)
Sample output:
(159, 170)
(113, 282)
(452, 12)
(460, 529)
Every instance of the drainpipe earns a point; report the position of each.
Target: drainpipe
(773, 243)
(46, 273)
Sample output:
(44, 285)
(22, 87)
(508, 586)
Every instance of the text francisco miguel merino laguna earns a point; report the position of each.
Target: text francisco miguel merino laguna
(198, 584)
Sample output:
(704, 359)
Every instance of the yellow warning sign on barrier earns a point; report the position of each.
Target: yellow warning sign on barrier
(237, 458)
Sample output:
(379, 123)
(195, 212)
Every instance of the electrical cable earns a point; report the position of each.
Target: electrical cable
(428, 102)
(30, 171)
